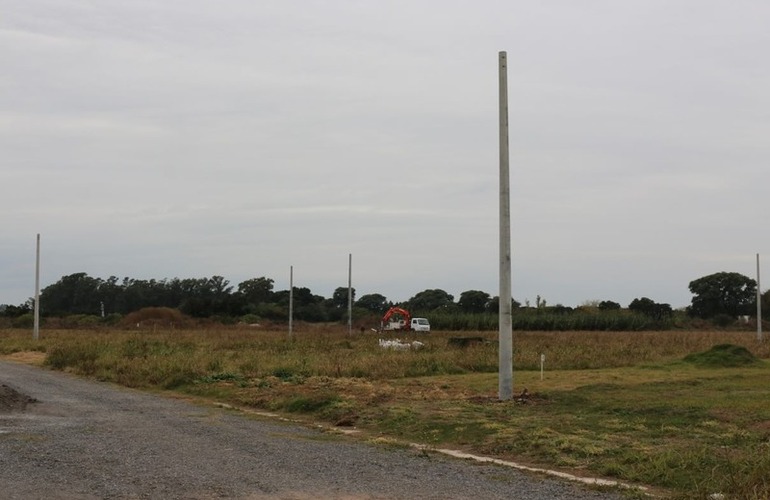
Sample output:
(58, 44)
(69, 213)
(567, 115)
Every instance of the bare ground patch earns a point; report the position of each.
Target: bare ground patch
(35, 358)
(12, 400)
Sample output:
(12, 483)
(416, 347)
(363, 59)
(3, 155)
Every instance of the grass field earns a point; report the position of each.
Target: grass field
(625, 406)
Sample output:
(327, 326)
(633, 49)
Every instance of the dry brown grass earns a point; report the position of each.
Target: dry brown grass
(35, 358)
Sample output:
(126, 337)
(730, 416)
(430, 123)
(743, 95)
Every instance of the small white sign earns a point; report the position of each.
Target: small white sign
(542, 364)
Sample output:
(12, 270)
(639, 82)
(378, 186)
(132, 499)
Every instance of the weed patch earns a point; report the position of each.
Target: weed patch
(220, 377)
(81, 356)
(723, 356)
(310, 404)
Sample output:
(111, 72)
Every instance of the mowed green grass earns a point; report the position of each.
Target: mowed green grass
(674, 426)
(618, 405)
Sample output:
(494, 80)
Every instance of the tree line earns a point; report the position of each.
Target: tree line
(721, 295)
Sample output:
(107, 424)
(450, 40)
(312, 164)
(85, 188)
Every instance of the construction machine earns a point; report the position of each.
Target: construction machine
(397, 318)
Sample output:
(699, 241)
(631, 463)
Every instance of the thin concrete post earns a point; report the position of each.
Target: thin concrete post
(505, 378)
(759, 305)
(291, 300)
(36, 324)
(350, 294)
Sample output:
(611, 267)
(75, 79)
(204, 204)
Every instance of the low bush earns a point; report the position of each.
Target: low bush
(24, 321)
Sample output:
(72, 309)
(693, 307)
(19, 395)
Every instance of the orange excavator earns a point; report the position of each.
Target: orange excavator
(401, 322)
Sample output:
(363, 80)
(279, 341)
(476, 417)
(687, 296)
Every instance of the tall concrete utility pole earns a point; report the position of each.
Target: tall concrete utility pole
(759, 305)
(291, 300)
(350, 293)
(36, 324)
(505, 376)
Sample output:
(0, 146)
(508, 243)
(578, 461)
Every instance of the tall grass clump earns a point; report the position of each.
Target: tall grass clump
(745, 478)
(11, 342)
(80, 357)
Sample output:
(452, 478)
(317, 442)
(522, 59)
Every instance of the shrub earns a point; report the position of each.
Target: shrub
(722, 320)
(112, 319)
(24, 321)
(311, 403)
(250, 319)
(80, 356)
(86, 321)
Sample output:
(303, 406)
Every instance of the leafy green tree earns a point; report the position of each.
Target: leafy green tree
(207, 297)
(73, 294)
(473, 301)
(340, 297)
(560, 309)
(109, 292)
(137, 294)
(10, 311)
(373, 302)
(430, 300)
(222, 302)
(608, 305)
(493, 306)
(307, 307)
(314, 313)
(302, 297)
(219, 286)
(722, 293)
(650, 308)
(256, 290)
(765, 303)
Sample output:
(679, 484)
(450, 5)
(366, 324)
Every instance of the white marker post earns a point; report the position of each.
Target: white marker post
(36, 324)
(505, 375)
(542, 365)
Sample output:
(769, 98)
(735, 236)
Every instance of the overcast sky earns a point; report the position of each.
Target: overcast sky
(191, 138)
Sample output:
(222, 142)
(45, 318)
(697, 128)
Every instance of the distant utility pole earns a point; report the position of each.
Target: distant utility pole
(505, 376)
(291, 300)
(36, 324)
(350, 294)
(759, 305)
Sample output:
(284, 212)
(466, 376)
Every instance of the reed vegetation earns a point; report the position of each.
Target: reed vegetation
(551, 319)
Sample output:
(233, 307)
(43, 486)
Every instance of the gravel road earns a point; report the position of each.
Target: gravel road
(64, 437)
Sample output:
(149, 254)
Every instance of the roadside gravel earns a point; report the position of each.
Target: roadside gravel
(64, 437)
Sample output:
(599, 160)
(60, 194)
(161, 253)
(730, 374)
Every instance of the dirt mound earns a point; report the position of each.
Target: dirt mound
(723, 356)
(156, 316)
(11, 400)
